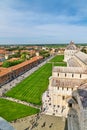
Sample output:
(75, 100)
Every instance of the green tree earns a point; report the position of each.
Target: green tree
(44, 53)
(6, 64)
(84, 50)
(23, 56)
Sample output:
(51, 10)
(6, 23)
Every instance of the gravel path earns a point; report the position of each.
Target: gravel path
(22, 102)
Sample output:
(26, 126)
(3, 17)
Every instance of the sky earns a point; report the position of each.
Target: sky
(43, 21)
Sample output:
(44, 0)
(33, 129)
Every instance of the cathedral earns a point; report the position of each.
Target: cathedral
(65, 84)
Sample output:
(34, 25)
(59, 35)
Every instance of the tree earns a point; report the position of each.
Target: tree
(23, 56)
(44, 53)
(84, 49)
(6, 64)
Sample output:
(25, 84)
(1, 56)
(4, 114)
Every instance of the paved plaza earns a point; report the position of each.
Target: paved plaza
(39, 122)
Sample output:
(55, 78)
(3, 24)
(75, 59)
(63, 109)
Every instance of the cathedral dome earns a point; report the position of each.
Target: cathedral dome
(71, 46)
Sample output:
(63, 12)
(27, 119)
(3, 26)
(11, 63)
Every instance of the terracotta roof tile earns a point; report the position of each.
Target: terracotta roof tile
(4, 71)
(12, 59)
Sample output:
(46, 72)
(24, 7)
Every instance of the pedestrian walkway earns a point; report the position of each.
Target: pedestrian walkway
(39, 122)
(22, 102)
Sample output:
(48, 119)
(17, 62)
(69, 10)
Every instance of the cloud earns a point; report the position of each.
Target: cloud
(52, 34)
(24, 20)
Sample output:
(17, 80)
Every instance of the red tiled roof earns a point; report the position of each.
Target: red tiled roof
(2, 51)
(1, 63)
(25, 51)
(4, 71)
(12, 59)
(26, 62)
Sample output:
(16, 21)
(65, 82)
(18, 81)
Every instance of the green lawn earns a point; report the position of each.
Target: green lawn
(57, 58)
(32, 88)
(11, 111)
(60, 64)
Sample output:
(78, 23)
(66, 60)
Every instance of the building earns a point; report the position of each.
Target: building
(64, 81)
(70, 50)
(77, 115)
(8, 74)
(2, 58)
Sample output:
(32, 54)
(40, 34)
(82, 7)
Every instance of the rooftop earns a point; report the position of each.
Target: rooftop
(73, 63)
(4, 71)
(83, 85)
(62, 82)
(71, 46)
(68, 69)
(82, 56)
(13, 59)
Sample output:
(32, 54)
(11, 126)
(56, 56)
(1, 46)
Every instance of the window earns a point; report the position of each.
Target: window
(70, 105)
(72, 75)
(58, 106)
(80, 75)
(65, 74)
(67, 89)
(63, 97)
(58, 74)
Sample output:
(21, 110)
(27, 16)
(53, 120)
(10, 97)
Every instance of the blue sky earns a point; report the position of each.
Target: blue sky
(43, 21)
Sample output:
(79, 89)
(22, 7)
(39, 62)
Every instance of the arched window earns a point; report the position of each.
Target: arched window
(58, 74)
(72, 75)
(65, 74)
(80, 75)
(63, 97)
(58, 88)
